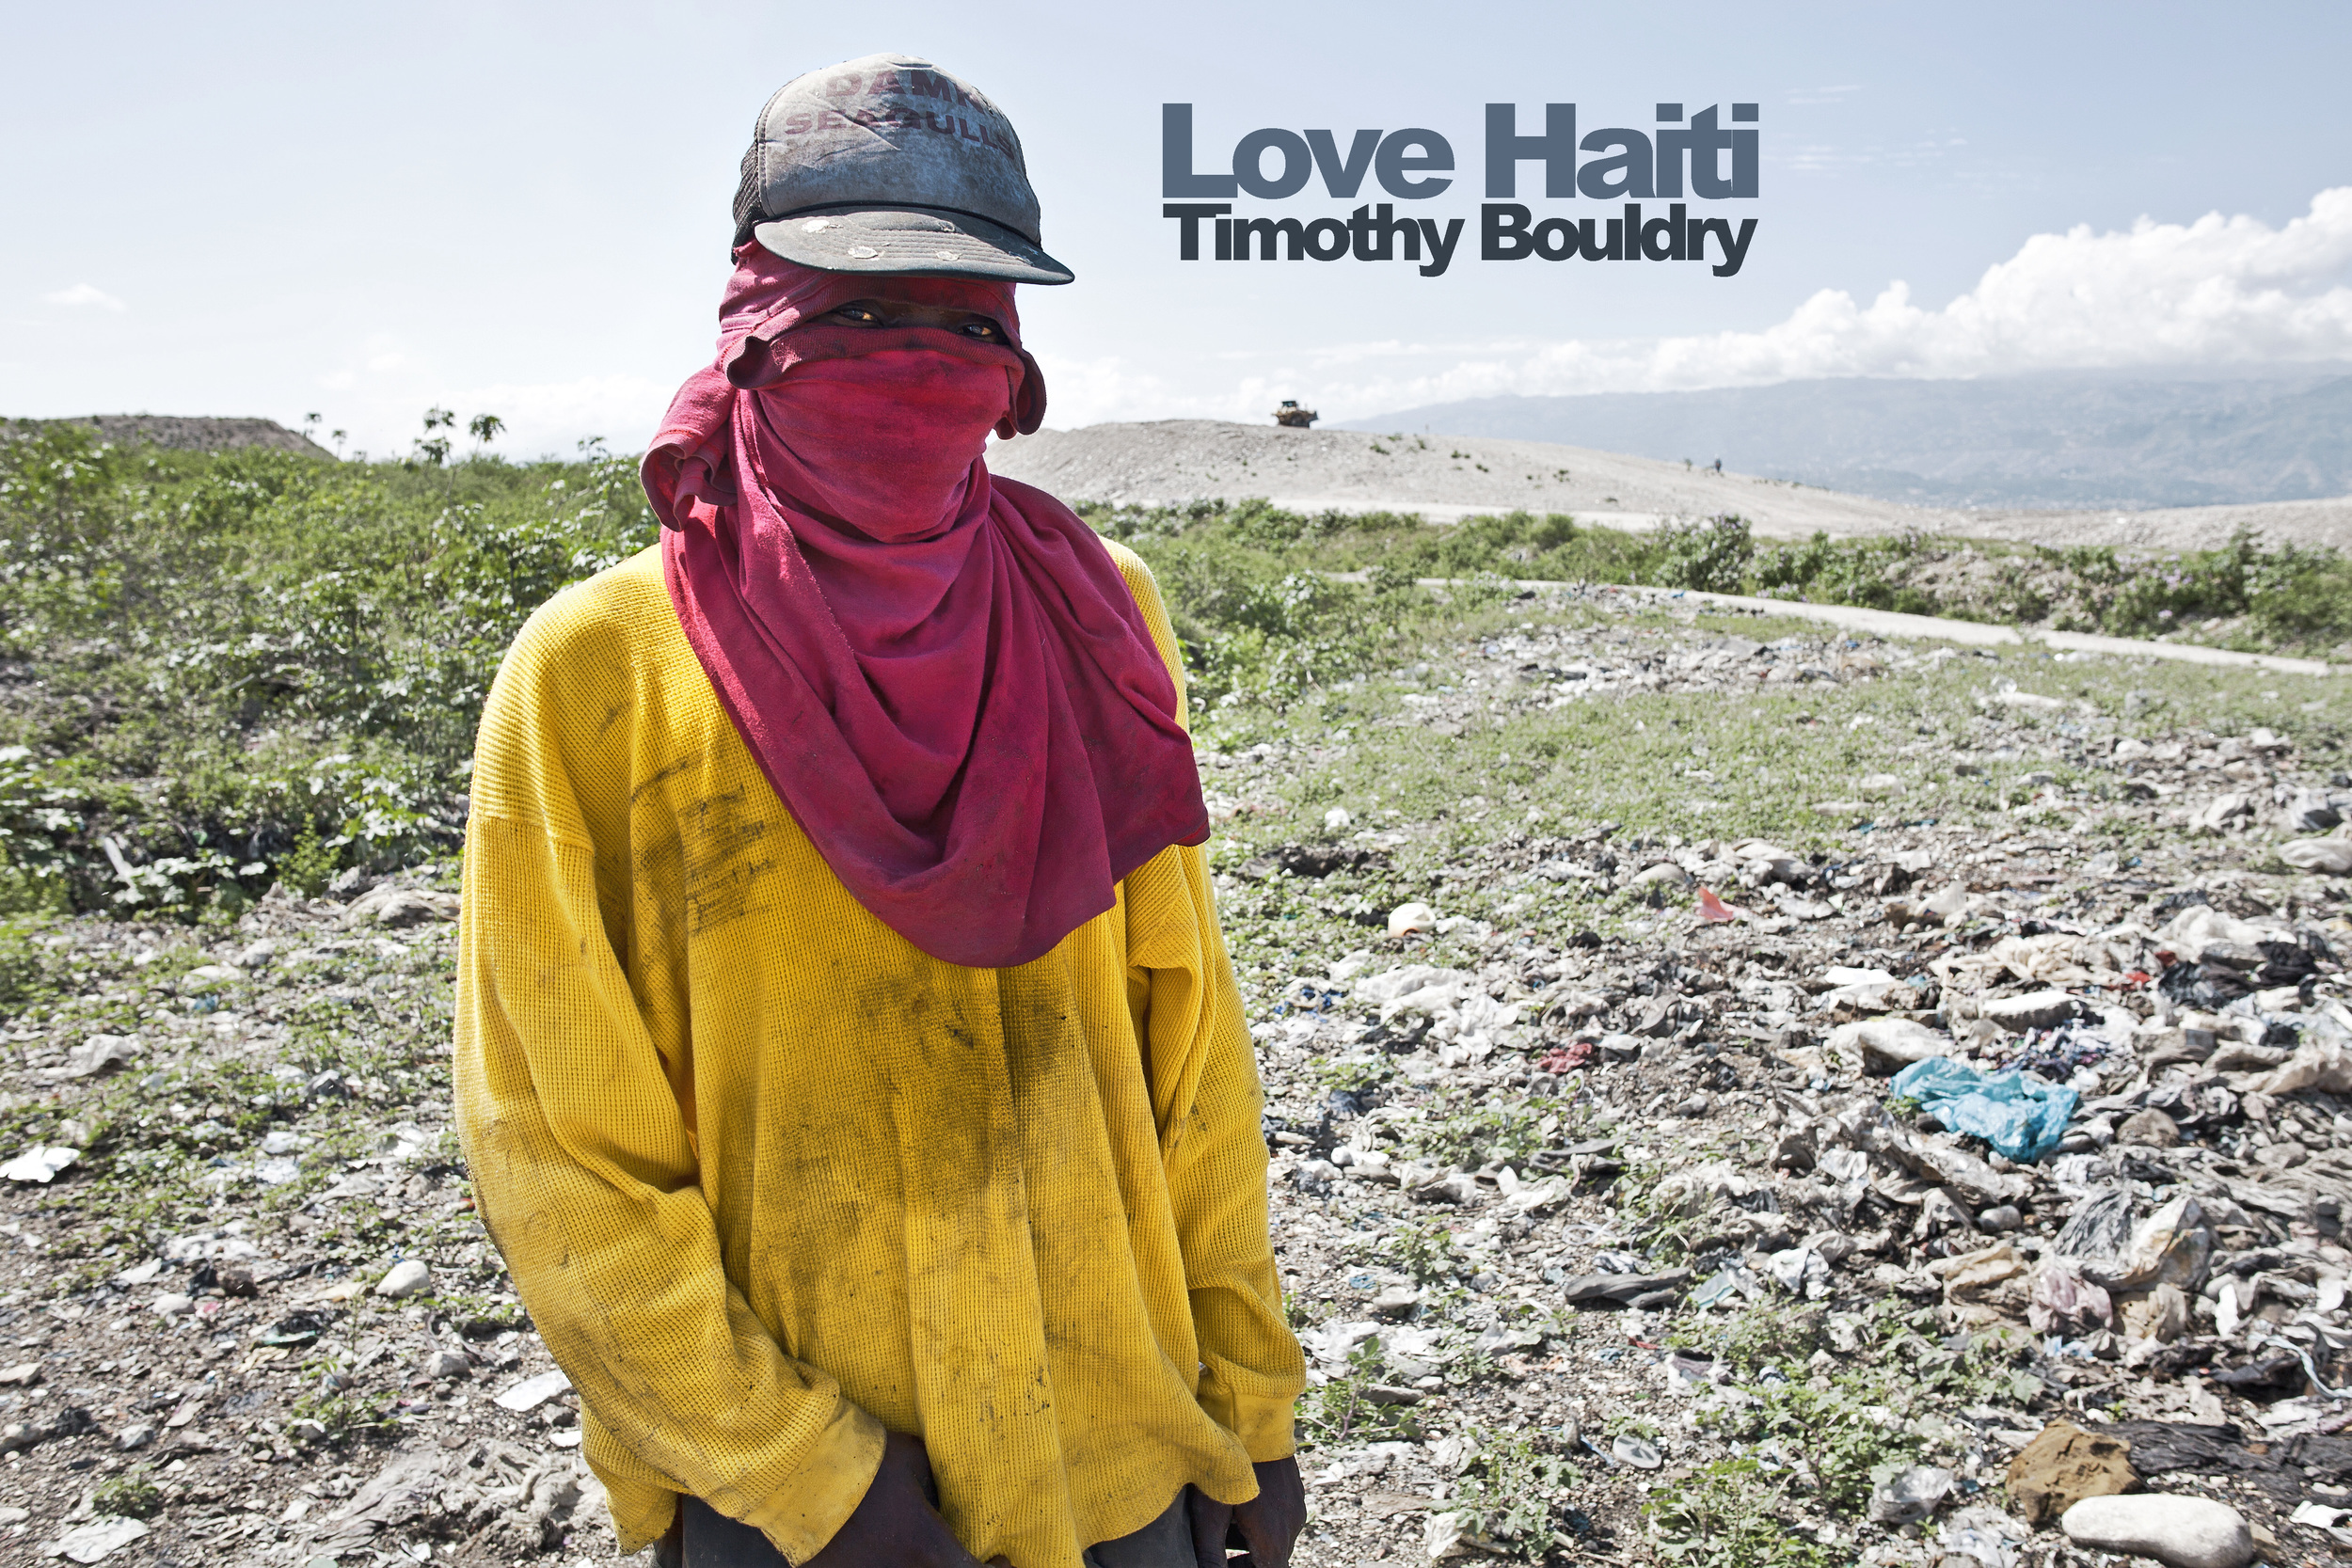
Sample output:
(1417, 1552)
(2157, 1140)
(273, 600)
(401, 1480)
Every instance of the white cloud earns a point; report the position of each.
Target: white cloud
(85, 293)
(2218, 291)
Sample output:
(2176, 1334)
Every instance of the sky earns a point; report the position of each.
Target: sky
(363, 210)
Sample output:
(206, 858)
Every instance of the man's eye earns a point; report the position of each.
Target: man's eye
(979, 329)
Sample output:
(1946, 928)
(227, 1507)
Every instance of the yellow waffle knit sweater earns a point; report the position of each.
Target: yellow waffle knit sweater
(773, 1180)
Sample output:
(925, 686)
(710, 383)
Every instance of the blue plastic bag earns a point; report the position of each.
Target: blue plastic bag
(2022, 1120)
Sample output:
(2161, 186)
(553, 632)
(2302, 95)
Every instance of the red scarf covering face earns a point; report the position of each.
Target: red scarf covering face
(943, 674)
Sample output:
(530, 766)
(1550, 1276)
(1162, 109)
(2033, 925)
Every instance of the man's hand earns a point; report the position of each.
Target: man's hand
(896, 1524)
(1267, 1524)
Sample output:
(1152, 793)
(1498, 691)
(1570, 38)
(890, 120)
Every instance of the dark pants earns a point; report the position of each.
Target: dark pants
(704, 1538)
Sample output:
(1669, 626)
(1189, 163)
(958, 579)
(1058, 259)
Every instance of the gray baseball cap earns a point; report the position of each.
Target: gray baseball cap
(888, 163)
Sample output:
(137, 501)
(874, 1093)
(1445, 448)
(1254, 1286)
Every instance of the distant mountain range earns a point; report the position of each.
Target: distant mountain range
(2075, 440)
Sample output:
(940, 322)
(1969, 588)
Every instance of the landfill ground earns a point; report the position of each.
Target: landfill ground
(1580, 951)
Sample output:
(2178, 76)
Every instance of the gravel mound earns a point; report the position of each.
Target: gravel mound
(1446, 477)
(178, 433)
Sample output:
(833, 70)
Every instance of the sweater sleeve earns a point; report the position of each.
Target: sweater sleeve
(580, 1157)
(1208, 1105)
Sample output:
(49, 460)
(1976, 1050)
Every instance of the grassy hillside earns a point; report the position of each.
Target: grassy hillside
(219, 670)
(216, 669)
(1249, 579)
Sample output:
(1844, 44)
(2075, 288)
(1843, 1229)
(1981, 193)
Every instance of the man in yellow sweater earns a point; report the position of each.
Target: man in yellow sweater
(848, 1059)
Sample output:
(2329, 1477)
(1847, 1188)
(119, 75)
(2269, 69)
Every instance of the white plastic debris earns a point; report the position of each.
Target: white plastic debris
(39, 1165)
(1631, 1451)
(2330, 856)
(1411, 917)
(226, 1245)
(98, 1055)
(1909, 1495)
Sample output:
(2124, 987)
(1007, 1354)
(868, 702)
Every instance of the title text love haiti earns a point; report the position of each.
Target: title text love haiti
(1625, 165)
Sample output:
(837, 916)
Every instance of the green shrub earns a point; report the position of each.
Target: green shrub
(1514, 1495)
(133, 1495)
(1731, 1514)
(225, 657)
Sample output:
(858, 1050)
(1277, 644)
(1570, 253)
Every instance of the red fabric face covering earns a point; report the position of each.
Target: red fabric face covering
(941, 674)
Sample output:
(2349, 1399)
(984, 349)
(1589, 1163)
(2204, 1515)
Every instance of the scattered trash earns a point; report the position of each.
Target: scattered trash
(2022, 1120)
(1712, 907)
(1906, 1496)
(2331, 856)
(1408, 918)
(1634, 1452)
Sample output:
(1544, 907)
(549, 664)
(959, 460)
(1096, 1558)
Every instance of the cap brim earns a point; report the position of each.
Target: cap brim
(907, 240)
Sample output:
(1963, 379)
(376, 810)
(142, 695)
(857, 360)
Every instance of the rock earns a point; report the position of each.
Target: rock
(96, 1542)
(172, 1304)
(136, 1435)
(1909, 1495)
(2184, 1532)
(2034, 1009)
(2063, 1466)
(1694, 1107)
(235, 1280)
(1665, 873)
(1397, 1301)
(2330, 856)
(531, 1392)
(1886, 1046)
(397, 907)
(2151, 1127)
(1411, 917)
(447, 1363)
(407, 1279)
(2001, 1217)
